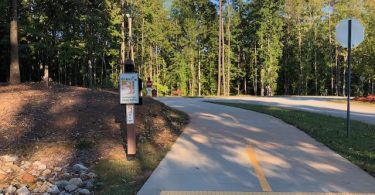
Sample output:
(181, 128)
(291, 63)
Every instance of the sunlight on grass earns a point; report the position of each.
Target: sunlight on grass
(119, 175)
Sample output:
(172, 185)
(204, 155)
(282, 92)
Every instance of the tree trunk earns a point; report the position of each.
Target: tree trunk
(337, 73)
(229, 52)
(151, 59)
(131, 38)
(199, 72)
(344, 83)
(219, 54)
(300, 57)
(238, 67)
(143, 48)
(122, 52)
(90, 73)
(255, 72)
(157, 69)
(261, 84)
(14, 77)
(223, 56)
(315, 64)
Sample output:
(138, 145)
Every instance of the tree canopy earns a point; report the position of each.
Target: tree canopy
(269, 47)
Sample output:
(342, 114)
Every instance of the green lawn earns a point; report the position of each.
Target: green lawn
(359, 148)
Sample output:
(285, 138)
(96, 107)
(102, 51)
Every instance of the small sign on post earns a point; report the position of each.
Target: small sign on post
(130, 114)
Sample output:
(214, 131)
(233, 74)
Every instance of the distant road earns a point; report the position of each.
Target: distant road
(322, 105)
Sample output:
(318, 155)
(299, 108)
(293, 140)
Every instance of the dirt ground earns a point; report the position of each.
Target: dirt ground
(61, 125)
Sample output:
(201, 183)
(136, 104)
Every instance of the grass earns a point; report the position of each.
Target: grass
(121, 175)
(359, 148)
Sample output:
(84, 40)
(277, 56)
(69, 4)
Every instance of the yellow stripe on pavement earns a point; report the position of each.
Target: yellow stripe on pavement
(258, 171)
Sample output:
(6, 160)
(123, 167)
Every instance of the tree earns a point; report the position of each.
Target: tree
(14, 61)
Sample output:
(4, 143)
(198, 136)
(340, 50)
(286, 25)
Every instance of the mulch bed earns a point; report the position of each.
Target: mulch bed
(370, 98)
(61, 125)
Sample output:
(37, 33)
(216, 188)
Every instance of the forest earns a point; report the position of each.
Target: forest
(198, 47)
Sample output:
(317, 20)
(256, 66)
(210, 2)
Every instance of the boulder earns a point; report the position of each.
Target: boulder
(23, 191)
(79, 168)
(76, 181)
(40, 166)
(71, 187)
(84, 191)
(53, 189)
(11, 189)
(61, 184)
(46, 172)
(9, 158)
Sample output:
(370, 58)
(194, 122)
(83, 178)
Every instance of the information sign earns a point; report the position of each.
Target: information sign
(129, 88)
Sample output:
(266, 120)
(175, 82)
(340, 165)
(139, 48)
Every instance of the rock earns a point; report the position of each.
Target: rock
(35, 172)
(11, 189)
(71, 187)
(92, 175)
(84, 176)
(23, 191)
(53, 189)
(46, 172)
(40, 166)
(25, 165)
(89, 184)
(36, 190)
(79, 168)
(28, 178)
(66, 176)
(57, 169)
(42, 178)
(2, 176)
(9, 158)
(76, 181)
(65, 193)
(46, 185)
(6, 169)
(61, 184)
(84, 191)
(51, 179)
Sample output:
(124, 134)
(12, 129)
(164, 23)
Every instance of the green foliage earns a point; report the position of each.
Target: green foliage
(270, 46)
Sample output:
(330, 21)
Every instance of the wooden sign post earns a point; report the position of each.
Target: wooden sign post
(130, 130)
(129, 95)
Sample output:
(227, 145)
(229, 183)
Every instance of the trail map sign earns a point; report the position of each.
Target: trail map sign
(129, 88)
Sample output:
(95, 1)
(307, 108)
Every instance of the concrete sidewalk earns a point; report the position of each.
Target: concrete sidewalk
(234, 150)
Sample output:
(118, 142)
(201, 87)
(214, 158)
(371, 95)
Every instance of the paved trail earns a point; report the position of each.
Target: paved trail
(230, 149)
